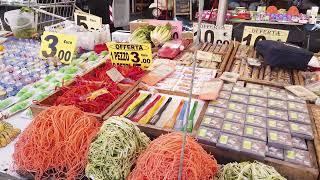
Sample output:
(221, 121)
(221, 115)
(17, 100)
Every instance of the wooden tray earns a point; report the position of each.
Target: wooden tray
(258, 75)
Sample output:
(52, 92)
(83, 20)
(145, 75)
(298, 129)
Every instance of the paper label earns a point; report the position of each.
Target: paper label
(291, 154)
(249, 130)
(247, 144)
(202, 132)
(227, 126)
(272, 123)
(115, 75)
(273, 136)
(223, 139)
(294, 127)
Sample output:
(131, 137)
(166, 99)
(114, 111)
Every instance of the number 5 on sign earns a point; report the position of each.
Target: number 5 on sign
(57, 45)
(251, 35)
(88, 21)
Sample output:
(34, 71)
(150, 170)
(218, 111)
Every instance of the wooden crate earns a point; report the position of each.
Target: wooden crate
(151, 130)
(314, 112)
(278, 76)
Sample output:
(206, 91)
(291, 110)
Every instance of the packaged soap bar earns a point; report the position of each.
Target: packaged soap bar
(253, 86)
(229, 141)
(232, 128)
(212, 122)
(301, 130)
(224, 95)
(256, 110)
(257, 101)
(299, 117)
(222, 103)
(294, 106)
(255, 121)
(277, 95)
(240, 90)
(239, 98)
(254, 147)
(279, 139)
(253, 132)
(298, 156)
(259, 93)
(277, 104)
(294, 98)
(277, 114)
(241, 108)
(216, 112)
(208, 134)
(227, 87)
(282, 126)
(235, 117)
(275, 152)
(299, 143)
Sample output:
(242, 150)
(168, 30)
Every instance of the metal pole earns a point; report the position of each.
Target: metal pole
(222, 11)
(185, 120)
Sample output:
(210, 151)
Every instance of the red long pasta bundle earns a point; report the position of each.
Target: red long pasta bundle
(55, 145)
(162, 157)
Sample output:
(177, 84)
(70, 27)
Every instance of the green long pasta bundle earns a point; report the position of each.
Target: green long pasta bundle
(115, 149)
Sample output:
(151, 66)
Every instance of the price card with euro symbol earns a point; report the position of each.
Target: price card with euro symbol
(130, 54)
(57, 45)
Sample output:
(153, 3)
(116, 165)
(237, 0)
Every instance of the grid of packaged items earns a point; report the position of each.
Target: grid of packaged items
(179, 81)
(161, 110)
(262, 123)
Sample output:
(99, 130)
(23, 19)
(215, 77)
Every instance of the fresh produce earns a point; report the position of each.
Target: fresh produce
(161, 34)
(141, 35)
(7, 133)
(55, 145)
(248, 170)
(115, 149)
(161, 160)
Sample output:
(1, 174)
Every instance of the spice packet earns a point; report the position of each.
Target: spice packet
(254, 147)
(279, 139)
(255, 133)
(257, 101)
(230, 77)
(256, 110)
(224, 95)
(227, 87)
(299, 117)
(240, 90)
(232, 128)
(301, 130)
(255, 121)
(239, 98)
(222, 103)
(298, 156)
(259, 93)
(215, 111)
(277, 95)
(275, 152)
(299, 143)
(277, 114)
(302, 92)
(241, 108)
(208, 134)
(294, 106)
(235, 117)
(294, 98)
(229, 141)
(282, 126)
(212, 122)
(277, 104)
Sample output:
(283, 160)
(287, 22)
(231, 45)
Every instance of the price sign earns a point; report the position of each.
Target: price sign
(251, 35)
(130, 54)
(88, 21)
(58, 45)
(211, 33)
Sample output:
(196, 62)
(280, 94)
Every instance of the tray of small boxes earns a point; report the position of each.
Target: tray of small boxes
(261, 122)
(262, 74)
(213, 56)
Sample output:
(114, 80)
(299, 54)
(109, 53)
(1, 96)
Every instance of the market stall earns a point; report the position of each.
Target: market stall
(157, 103)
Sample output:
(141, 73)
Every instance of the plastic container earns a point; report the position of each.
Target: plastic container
(22, 24)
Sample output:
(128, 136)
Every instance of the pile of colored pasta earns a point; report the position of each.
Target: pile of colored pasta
(162, 157)
(55, 145)
(115, 149)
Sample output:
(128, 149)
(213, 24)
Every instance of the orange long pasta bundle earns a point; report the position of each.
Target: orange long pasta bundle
(162, 157)
(55, 144)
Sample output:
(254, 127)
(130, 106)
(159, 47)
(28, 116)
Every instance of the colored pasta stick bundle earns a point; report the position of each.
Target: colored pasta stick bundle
(156, 117)
(191, 117)
(179, 122)
(126, 104)
(138, 116)
(145, 119)
(169, 124)
(138, 107)
(134, 104)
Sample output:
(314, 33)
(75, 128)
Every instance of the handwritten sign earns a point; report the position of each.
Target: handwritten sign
(88, 21)
(211, 33)
(58, 45)
(130, 54)
(251, 35)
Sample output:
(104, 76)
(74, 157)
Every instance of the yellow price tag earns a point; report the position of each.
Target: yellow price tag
(130, 54)
(252, 35)
(272, 123)
(291, 154)
(223, 139)
(251, 110)
(57, 45)
(293, 115)
(88, 21)
(247, 144)
(249, 130)
(202, 132)
(294, 127)
(227, 126)
(273, 136)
